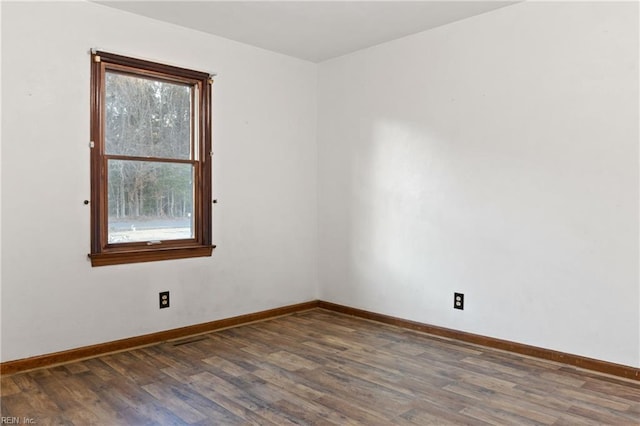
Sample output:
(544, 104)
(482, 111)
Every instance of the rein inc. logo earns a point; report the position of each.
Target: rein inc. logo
(17, 421)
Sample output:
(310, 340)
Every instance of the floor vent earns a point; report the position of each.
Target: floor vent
(187, 341)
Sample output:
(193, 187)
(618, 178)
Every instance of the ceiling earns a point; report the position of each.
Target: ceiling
(310, 30)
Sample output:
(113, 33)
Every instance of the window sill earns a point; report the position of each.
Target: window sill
(151, 255)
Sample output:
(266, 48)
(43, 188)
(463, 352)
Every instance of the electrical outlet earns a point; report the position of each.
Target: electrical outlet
(458, 301)
(164, 299)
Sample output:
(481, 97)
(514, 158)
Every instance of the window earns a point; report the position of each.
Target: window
(150, 161)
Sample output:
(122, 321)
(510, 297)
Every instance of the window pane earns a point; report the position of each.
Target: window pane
(147, 118)
(149, 201)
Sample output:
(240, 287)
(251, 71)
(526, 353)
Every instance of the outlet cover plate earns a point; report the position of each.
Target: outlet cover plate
(164, 299)
(458, 301)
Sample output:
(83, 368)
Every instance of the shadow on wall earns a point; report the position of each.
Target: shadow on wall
(432, 211)
(396, 210)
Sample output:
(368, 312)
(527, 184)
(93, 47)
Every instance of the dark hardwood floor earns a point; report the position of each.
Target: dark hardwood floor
(317, 367)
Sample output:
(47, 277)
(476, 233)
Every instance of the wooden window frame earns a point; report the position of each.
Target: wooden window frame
(103, 253)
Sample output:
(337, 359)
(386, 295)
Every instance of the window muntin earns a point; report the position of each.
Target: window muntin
(151, 168)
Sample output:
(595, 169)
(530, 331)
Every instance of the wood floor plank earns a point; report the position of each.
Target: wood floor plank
(629, 392)
(523, 409)
(291, 383)
(318, 368)
(434, 416)
(495, 416)
(170, 399)
(241, 410)
(365, 394)
(212, 411)
(309, 414)
(225, 365)
(355, 412)
(8, 386)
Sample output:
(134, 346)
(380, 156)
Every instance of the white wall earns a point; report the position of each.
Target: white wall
(496, 156)
(265, 163)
